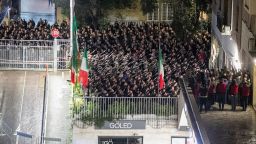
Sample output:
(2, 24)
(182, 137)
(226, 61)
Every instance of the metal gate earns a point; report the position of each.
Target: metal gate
(34, 54)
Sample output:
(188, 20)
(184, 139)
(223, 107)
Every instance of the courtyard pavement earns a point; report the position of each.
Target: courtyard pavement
(230, 127)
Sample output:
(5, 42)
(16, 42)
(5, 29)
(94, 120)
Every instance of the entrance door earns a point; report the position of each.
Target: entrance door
(120, 140)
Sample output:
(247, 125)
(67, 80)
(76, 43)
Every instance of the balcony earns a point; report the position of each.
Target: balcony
(223, 28)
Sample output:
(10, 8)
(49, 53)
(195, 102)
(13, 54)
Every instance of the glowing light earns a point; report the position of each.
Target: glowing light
(237, 64)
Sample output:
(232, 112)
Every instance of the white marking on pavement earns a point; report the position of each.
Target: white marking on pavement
(46, 104)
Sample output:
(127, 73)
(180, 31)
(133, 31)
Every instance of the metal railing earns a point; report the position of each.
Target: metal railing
(141, 22)
(47, 140)
(33, 54)
(194, 115)
(89, 110)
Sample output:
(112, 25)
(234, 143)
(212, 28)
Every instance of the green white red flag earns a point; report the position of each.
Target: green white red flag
(161, 70)
(84, 70)
(74, 52)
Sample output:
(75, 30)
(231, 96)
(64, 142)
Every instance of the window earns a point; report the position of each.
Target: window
(226, 8)
(167, 12)
(237, 17)
(164, 15)
(150, 16)
(219, 5)
(246, 4)
(252, 44)
(170, 11)
(154, 16)
(253, 24)
(181, 140)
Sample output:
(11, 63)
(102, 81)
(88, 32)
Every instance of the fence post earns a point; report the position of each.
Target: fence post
(23, 56)
(44, 110)
(55, 46)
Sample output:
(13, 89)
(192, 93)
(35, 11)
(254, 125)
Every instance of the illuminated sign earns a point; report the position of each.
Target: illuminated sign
(120, 125)
(123, 124)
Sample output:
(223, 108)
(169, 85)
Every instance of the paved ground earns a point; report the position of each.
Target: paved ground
(58, 120)
(21, 104)
(228, 127)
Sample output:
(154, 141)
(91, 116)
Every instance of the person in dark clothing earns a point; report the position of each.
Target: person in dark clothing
(221, 90)
(233, 94)
(203, 94)
(211, 92)
(245, 91)
(125, 53)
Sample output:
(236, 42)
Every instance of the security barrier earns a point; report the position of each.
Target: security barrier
(34, 54)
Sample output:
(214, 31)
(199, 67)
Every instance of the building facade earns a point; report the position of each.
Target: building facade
(248, 40)
(225, 34)
(233, 36)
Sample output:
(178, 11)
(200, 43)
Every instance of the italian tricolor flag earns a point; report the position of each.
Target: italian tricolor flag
(161, 70)
(74, 53)
(84, 71)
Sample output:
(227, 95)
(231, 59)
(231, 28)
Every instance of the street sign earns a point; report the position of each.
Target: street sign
(24, 134)
(55, 33)
(52, 139)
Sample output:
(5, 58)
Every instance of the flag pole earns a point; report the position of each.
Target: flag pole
(158, 93)
(71, 47)
(71, 26)
(88, 87)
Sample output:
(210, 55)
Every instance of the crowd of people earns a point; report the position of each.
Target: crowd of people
(21, 29)
(223, 86)
(124, 61)
(125, 58)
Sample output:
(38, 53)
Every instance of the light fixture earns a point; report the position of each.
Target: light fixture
(237, 64)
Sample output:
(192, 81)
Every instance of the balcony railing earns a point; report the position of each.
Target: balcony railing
(193, 114)
(93, 110)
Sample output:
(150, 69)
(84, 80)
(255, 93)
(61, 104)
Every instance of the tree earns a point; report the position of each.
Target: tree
(186, 15)
(91, 11)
